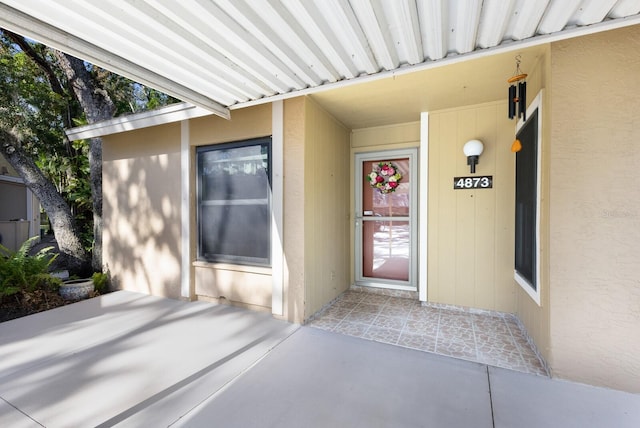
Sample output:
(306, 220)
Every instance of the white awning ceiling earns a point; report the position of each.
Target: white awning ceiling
(225, 54)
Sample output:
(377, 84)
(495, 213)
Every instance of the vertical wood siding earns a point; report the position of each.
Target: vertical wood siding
(326, 208)
(471, 232)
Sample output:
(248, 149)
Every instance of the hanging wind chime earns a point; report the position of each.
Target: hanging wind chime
(518, 93)
(517, 98)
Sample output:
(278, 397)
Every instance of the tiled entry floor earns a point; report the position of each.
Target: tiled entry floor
(489, 338)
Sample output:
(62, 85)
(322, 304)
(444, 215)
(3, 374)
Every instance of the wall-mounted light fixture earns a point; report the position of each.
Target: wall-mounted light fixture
(472, 150)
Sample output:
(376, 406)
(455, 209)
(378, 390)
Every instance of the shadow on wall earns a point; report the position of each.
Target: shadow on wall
(142, 222)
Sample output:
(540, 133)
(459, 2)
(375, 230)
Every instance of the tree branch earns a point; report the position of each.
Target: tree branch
(95, 101)
(41, 62)
(45, 66)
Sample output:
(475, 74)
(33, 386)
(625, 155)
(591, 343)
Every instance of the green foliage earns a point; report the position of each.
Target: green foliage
(28, 103)
(100, 282)
(40, 105)
(70, 175)
(20, 271)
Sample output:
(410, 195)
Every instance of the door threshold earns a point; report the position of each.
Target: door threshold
(406, 294)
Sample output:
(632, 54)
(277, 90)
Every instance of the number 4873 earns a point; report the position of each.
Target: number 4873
(483, 182)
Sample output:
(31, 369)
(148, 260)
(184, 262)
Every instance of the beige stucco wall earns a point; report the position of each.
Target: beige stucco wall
(141, 208)
(595, 209)
(326, 208)
(250, 122)
(243, 285)
(471, 232)
(294, 225)
(316, 239)
(537, 318)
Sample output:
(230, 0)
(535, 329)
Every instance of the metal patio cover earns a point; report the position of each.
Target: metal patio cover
(226, 54)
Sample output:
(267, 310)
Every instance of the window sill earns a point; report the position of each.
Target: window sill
(234, 268)
(527, 287)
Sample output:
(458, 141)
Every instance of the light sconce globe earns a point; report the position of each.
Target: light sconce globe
(472, 150)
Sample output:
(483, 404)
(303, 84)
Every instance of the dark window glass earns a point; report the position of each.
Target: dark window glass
(526, 200)
(234, 202)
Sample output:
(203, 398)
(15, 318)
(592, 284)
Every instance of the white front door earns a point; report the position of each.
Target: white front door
(386, 219)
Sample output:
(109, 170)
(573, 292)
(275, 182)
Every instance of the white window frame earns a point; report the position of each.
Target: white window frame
(232, 260)
(533, 290)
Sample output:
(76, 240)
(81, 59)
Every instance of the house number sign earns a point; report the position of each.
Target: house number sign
(481, 182)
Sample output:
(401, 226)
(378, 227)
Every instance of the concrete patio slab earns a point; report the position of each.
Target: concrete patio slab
(131, 360)
(12, 417)
(103, 360)
(526, 401)
(321, 379)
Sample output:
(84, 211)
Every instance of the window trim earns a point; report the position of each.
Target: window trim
(240, 261)
(526, 285)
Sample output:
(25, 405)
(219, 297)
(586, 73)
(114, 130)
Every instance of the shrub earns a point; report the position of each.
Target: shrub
(100, 281)
(20, 271)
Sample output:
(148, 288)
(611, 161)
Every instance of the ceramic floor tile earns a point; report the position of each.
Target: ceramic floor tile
(513, 325)
(495, 327)
(421, 327)
(395, 311)
(424, 313)
(533, 363)
(515, 328)
(421, 342)
(487, 316)
(352, 296)
(456, 348)
(528, 353)
(456, 321)
(533, 367)
(376, 299)
(368, 308)
(352, 328)
(451, 332)
(493, 339)
(526, 368)
(381, 334)
(336, 313)
(389, 322)
(398, 302)
(500, 357)
(345, 304)
(361, 317)
(492, 328)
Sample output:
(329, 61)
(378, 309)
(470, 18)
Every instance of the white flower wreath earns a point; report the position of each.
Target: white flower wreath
(385, 177)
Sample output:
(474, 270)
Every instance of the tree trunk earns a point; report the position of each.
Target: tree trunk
(62, 221)
(97, 106)
(95, 178)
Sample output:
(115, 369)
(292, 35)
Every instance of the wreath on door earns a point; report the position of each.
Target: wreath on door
(385, 177)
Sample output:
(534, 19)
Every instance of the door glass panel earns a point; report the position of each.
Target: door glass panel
(386, 234)
(385, 250)
(381, 204)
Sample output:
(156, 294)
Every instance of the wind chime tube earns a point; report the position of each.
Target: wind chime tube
(512, 101)
(522, 95)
